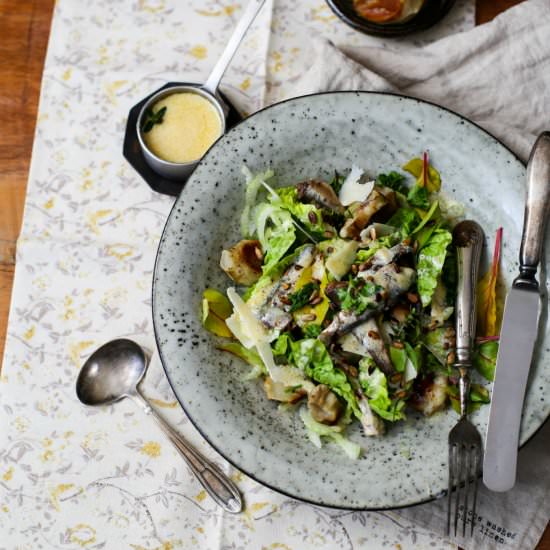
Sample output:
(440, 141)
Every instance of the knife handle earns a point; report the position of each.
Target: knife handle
(537, 208)
(468, 238)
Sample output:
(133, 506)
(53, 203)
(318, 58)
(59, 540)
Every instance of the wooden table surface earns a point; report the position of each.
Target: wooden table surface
(26, 27)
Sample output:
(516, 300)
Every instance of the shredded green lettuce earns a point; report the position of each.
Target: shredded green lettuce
(316, 430)
(430, 264)
(275, 232)
(253, 185)
(393, 180)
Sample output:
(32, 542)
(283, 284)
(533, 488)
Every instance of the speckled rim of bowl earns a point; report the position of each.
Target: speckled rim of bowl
(420, 22)
(161, 94)
(163, 360)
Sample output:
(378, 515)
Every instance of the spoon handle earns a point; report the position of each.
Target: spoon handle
(218, 71)
(215, 482)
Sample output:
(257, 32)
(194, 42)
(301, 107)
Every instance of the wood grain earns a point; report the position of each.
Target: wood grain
(25, 31)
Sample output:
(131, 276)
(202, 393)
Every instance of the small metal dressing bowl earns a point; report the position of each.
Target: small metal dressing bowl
(209, 91)
(176, 170)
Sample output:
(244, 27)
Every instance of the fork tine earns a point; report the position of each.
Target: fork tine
(466, 471)
(477, 457)
(452, 470)
(459, 469)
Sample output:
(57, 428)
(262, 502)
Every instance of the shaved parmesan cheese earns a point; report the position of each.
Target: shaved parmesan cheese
(339, 262)
(251, 333)
(234, 325)
(291, 377)
(351, 344)
(352, 189)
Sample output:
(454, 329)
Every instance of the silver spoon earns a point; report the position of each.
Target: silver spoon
(113, 372)
(208, 91)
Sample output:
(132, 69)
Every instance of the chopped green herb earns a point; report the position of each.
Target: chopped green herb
(393, 180)
(337, 181)
(292, 389)
(302, 296)
(357, 297)
(312, 330)
(152, 118)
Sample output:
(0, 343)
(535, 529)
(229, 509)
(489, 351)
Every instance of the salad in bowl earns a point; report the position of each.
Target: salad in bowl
(342, 299)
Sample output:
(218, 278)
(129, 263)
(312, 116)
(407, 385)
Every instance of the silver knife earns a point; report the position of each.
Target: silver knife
(519, 330)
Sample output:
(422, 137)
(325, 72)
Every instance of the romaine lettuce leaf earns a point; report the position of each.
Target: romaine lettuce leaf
(307, 214)
(388, 241)
(430, 264)
(281, 347)
(437, 342)
(274, 273)
(311, 356)
(375, 386)
(405, 219)
(275, 232)
(398, 358)
(431, 214)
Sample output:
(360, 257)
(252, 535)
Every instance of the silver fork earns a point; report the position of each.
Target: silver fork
(464, 439)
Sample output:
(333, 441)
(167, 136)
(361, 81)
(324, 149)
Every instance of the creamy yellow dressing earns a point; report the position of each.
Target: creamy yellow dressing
(190, 126)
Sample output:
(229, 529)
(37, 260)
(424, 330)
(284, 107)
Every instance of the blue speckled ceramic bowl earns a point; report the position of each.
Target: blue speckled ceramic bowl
(305, 138)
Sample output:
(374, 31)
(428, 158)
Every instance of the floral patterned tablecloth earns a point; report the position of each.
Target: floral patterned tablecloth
(74, 477)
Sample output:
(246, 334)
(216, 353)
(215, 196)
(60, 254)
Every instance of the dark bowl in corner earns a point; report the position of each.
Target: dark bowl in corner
(431, 12)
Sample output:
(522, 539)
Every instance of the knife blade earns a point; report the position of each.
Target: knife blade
(519, 330)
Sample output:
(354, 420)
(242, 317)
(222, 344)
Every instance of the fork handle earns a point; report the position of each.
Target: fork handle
(468, 239)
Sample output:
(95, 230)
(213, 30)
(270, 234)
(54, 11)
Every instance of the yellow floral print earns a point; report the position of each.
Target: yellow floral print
(151, 448)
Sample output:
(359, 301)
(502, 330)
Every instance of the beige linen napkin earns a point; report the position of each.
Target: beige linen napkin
(497, 75)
